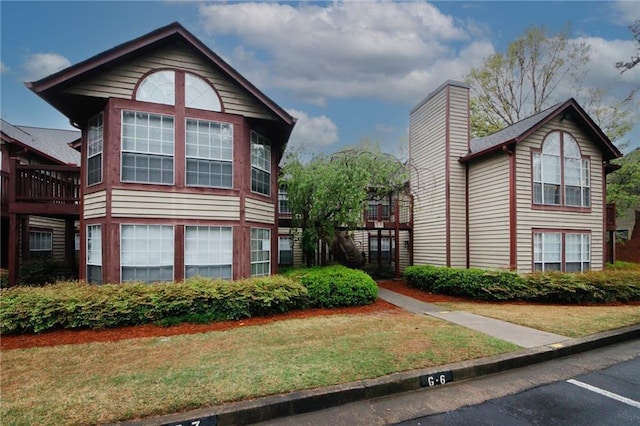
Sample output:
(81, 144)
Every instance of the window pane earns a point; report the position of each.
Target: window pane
(158, 87)
(146, 252)
(260, 251)
(260, 164)
(199, 94)
(208, 164)
(94, 150)
(208, 251)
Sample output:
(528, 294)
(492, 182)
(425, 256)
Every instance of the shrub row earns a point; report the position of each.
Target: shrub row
(74, 305)
(334, 286)
(621, 285)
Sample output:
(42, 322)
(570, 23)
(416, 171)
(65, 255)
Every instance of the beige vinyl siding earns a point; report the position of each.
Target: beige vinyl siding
(405, 250)
(259, 211)
(120, 81)
(458, 147)
(529, 218)
(427, 158)
(57, 227)
(489, 212)
(157, 204)
(361, 240)
(95, 205)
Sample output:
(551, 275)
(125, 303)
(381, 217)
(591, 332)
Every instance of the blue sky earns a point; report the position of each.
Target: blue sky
(346, 70)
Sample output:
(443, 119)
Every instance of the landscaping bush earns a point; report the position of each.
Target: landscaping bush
(619, 265)
(4, 278)
(476, 283)
(336, 286)
(38, 272)
(621, 284)
(72, 305)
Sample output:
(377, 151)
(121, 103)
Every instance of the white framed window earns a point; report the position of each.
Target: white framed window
(208, 251)
(283, 202)
(260, 252)
(260, 164)
(209, 152)
(94, 254)
(285, 250)
(159, 88)
(560, 174)
(40, 244)
(386, 249)
(95, 138)
(146, 253)
(199, 94)
(147, 148)
(561, 251)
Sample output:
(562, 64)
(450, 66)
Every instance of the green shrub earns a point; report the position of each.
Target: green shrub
(335, 286)
(72, 305)
(4, 278)
(37, 272)
(619, 265)
(622, 284)
(476, 283)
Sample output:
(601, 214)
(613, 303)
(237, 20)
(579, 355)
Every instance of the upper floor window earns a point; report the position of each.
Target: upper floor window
(147, 148)
(560, 174)
(160, 88)
(94, 150)
(260, 164)
(283, 202)
(209, 153)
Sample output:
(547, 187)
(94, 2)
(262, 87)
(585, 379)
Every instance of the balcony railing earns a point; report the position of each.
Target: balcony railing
(385, 213)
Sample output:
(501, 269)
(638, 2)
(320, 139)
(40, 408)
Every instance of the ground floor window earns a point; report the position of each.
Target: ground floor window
(386, 249)
(40, 244)
(94, 254)
(208, 251)
(260, 252)
(561, 251)
(146, 253)
(285, 250)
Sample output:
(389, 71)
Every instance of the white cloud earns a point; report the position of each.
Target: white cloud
(312, 133)
(625, 12)
(39, 65)
(383, 128)
(390, 50)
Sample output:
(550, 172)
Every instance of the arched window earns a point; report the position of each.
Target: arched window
(560, 174)
(199, 94)
(158, 87)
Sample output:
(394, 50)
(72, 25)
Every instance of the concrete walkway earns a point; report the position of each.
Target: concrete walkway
(519, 335)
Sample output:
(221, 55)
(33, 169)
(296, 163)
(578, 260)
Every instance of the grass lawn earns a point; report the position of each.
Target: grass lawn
(566, 320)
(106, 382)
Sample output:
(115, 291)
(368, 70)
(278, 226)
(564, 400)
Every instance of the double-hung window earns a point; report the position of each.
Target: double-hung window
(94, 254)
(386, 252)
(285, 250)
(147, 147)
(561, 251)
(208, 251)
(260, 252)
(146, 253)
(560, 174)
(260, 164)
(41, 244)
(94, 150)
(283, 202)
(209, 153)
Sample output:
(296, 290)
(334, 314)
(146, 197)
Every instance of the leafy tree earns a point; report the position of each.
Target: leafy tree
(329, 192)
(635, 58)
(524, 80)
(623, 185)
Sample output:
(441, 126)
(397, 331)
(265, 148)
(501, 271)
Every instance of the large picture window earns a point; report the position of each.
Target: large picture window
(147, 148)
(560, 174)
(208, 251)
(146, 253)
(94, 254)
(561, 251)
(94, 150)
(209, 153)
(260, 252)
(260, 164)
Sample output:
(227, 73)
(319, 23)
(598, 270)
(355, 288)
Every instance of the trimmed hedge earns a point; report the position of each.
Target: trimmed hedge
(74, 305)
(336, 286)
(621, 285)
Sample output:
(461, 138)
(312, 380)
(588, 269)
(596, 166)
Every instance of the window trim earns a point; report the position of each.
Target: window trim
(186, 264)
(562, 206)
(261, 262)
(563, 233)
(173, 248)
(88, 262)
(268, 172)
(187, 156)
(101, 153)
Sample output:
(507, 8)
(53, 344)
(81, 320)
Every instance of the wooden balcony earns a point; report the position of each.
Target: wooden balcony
(42, 190)
(388, 216)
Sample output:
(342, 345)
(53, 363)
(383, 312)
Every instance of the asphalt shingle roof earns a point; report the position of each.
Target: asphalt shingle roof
(54, 143)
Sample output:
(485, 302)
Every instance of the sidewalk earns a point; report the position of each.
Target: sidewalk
(538, 347)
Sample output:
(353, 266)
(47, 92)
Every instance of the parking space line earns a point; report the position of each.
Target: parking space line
(606, 393)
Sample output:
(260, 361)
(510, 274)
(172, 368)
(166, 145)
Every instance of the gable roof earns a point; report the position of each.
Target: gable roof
(523, 128)
(51, 88)
(52, 144)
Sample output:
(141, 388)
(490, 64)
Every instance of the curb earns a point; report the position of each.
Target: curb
(299, 402)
